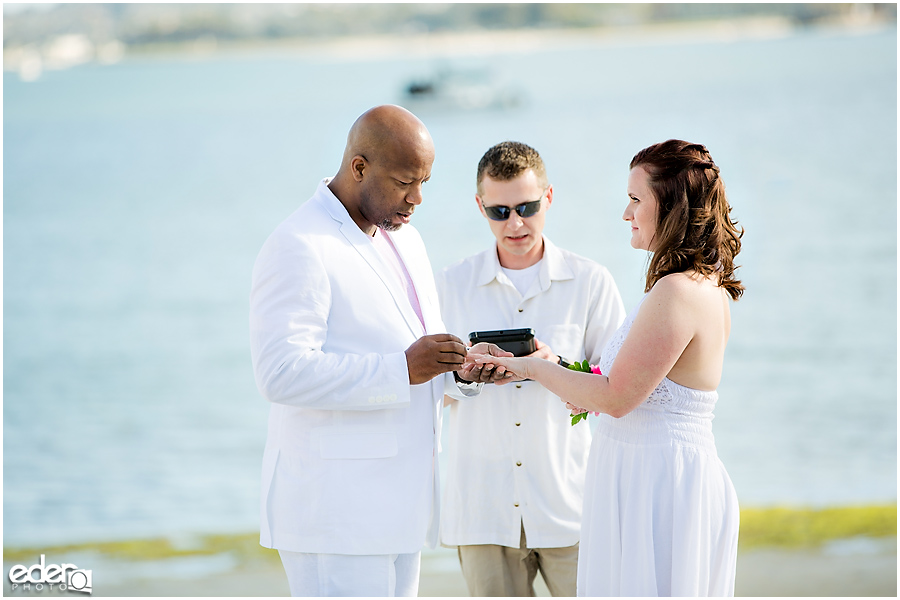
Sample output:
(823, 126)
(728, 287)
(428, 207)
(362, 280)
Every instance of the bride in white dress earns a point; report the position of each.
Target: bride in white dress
(660, 513)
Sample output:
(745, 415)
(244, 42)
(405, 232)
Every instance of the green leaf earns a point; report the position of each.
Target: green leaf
(582, 367)
(579, 417)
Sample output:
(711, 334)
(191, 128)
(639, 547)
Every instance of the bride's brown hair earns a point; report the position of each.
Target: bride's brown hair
(694, 229)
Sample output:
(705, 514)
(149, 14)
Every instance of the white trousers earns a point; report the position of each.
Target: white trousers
(382, 575)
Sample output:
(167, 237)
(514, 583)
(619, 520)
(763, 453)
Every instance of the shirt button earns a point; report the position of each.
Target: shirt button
(518, 424)
(516, 505)
(518, 463)
(521, 310)
(518, 386)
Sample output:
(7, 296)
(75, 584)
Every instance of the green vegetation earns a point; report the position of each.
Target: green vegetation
(760, 527)
(808, 528)
(244, 546)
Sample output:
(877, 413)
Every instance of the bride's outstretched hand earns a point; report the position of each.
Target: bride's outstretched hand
(517, 369)
(484, 373)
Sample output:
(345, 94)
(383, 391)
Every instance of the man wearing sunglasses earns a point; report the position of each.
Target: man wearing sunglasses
(512, 504)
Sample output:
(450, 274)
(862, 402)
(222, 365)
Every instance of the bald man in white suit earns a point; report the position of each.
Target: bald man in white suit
(348, 345)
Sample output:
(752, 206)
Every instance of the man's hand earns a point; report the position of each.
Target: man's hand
(542, 350)
(484, 373)
(432, 355)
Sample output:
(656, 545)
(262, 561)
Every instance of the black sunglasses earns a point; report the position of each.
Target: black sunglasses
(524, 210)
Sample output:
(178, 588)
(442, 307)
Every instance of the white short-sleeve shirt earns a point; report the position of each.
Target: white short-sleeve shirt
(514, 456)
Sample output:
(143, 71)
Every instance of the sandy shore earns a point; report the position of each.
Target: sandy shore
(460, 44)
(854, 567)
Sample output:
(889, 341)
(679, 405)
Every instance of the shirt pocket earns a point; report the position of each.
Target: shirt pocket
(566, 340)
(358, 445)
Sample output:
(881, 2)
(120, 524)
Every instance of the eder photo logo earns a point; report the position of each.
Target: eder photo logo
(65, 577)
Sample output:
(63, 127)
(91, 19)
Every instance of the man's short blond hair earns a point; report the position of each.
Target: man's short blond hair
(508, 160)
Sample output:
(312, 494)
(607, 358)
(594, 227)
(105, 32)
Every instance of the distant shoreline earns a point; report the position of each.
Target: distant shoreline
(77, 50)
(463, 43)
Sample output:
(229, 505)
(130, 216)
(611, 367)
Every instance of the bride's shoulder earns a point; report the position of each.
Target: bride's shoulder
(687, 286)
(675, 284)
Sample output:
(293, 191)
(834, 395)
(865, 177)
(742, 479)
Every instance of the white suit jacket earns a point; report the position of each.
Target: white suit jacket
(350, 461)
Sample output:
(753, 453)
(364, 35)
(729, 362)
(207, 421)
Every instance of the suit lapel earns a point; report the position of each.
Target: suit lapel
(366, 248)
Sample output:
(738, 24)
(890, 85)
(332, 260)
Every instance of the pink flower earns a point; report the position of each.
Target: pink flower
(584, 367)
(596, 371)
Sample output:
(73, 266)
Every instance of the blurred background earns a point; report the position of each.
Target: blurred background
(150, 149)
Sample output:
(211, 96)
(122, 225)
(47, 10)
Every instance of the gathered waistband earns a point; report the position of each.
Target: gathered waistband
(649, 427)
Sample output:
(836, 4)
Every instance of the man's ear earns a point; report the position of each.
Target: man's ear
(549, 195)
(358, 165)
(480, 205)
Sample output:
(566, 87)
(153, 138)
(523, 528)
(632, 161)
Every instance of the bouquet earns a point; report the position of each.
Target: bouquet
(584, 367)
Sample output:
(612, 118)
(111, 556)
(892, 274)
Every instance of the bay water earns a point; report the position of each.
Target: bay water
(137, 195)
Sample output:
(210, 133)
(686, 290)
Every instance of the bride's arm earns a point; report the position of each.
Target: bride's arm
(661, 331)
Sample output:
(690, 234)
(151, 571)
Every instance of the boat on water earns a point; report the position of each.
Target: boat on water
(461, 90)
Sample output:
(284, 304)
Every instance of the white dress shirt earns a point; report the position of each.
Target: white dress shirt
(515, 459)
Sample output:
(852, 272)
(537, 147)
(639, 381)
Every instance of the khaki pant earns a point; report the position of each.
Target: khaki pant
(502, 571)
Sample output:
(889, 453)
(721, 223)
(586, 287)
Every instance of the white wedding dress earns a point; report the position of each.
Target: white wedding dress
(660, 513)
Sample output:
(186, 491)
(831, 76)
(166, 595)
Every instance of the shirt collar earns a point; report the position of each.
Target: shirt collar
(553, 266)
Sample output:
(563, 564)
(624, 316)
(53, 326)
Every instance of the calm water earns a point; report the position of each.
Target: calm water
(136, 197)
